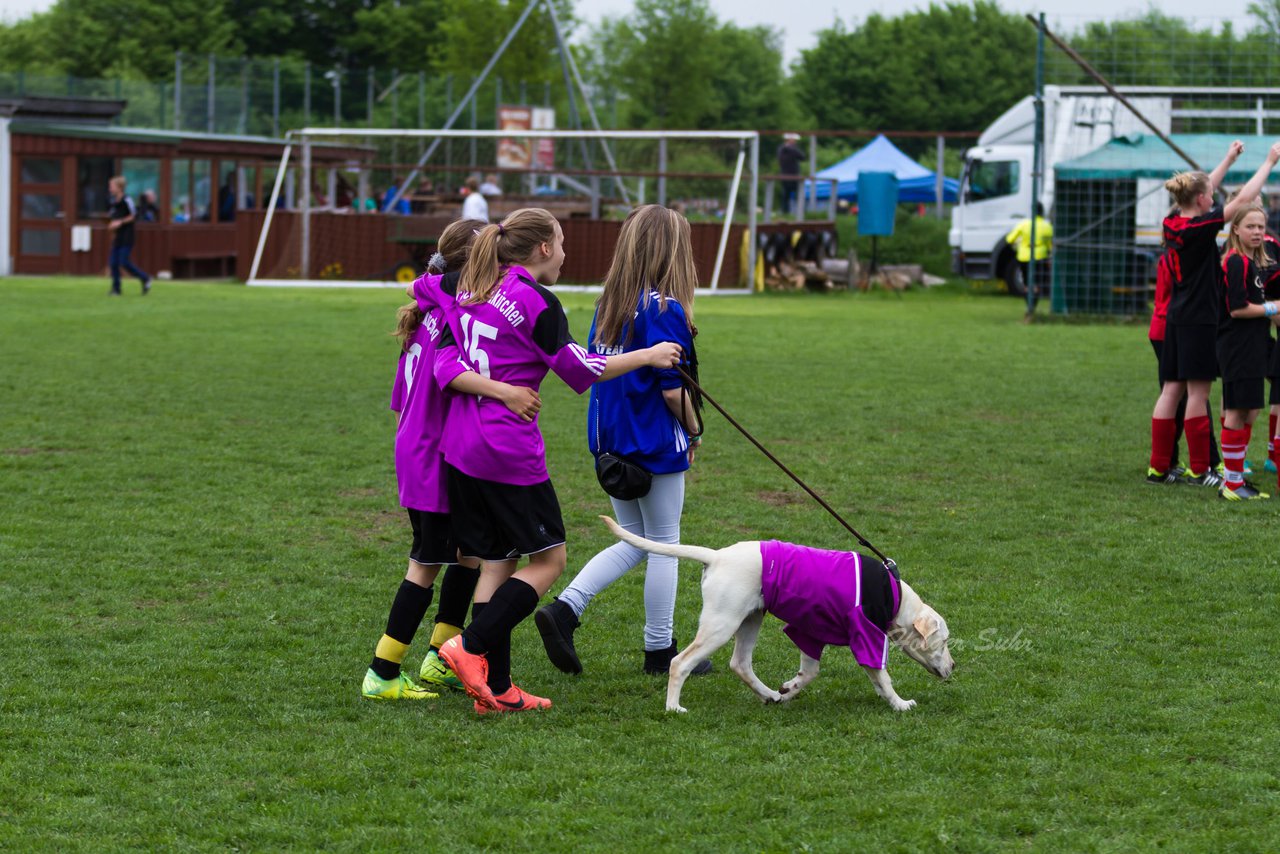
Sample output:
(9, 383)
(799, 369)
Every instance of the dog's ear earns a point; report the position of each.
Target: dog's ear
(925, 625)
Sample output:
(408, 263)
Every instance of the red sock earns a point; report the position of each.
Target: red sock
(1234, 443)
(1271, 434)
(1163, 431)
(1197, 432)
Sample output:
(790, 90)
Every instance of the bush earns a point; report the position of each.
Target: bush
(915, 240)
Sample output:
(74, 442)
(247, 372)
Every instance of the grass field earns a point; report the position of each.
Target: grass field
(200, 537)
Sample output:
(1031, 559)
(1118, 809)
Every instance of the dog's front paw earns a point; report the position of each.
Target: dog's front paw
(901, 705)
(772, 697)
(680, 709)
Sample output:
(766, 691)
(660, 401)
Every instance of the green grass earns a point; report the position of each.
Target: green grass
(199, 540)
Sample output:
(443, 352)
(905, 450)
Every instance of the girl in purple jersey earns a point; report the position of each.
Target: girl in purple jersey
(1188, 361)
(647, 418)
(512, 329)
(421, 409)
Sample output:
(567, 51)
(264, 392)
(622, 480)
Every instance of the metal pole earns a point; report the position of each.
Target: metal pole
(210, 88)
(751, 210)
(1036, 168)
(275, 97)
(243, 124)
(939, 185)
(271, 209)
(728, 216)
(304, 263)
(474, 87)
(662, 171)
(813, 171)
(368, 97)
(493, 60)
(337, 99)
(306, 91)
(177, 90)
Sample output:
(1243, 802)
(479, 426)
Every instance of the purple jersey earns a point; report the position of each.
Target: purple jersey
(825, 600)
(515, 337)
(422, 408)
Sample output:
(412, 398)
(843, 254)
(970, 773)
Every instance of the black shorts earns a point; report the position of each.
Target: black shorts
(1242, 394)
(1158, 346)
(500, 521)
(432, 538)
(1190, 353)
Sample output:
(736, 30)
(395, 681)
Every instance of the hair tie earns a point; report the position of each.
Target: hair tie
(437, 262)
(501, 231)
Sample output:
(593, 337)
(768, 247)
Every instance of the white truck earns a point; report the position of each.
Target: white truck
(995, 188)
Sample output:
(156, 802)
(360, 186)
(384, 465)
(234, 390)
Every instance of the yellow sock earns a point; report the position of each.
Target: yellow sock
(391, 649)
(442, 632)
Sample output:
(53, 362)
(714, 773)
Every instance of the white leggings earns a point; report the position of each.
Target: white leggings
(655, 517)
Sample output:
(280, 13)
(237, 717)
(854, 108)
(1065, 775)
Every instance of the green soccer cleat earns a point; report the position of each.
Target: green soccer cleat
(400, 688)
(1269, 466)
(437, 672)
(1154, 476)
(1244, 493)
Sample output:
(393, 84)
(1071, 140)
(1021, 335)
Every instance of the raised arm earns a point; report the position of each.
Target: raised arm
(1249, 192)
(1234, 150)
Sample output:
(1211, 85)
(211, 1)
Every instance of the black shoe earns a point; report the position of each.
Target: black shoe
(658, 661)
(556, 622)
(146, 287)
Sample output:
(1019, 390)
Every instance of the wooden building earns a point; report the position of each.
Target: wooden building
(57, 155)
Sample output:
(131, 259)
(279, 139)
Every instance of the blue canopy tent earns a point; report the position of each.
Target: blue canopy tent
(915, 183)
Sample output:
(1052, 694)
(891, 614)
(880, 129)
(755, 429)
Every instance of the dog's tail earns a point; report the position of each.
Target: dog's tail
(698, 553)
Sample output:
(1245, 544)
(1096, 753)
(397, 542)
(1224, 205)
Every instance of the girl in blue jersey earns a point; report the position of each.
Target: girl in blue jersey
(645, 417)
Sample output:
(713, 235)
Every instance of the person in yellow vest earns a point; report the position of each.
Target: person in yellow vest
(1021, 238)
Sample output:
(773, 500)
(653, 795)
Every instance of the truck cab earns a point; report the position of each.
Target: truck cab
(995, 194)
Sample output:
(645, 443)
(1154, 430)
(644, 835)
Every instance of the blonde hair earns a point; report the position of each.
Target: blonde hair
(453, 248)
(1185, 186)
(513, 241)
(654, 253)
(1258, 256)
(116, 181)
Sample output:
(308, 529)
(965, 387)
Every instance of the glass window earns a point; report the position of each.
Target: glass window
(41, 241)
(201, 191)
(989, 179)
(41, 205)
(181, 190)
(41, 170)
(227, 191)
(142, 175)
(93, 198)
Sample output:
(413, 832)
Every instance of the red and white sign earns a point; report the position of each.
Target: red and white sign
(526, 152)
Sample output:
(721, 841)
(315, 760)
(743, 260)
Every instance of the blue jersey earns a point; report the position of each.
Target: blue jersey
(627, 415)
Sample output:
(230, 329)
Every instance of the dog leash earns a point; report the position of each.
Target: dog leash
(889, 562)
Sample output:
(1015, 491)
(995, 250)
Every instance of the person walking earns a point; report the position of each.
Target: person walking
(121, 219)
(648, 419)
(1020, 237)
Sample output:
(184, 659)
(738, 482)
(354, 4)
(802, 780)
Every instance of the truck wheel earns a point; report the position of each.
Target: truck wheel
(1013, 278)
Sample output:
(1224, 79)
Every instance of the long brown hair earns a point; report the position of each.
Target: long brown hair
(1185, 186)
(654, 253)
(513, 241)
(452, 251)
(1257, 256)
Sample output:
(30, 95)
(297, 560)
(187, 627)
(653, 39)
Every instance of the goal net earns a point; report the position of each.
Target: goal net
(364, 207)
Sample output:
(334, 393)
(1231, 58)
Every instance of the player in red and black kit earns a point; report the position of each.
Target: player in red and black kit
(1188, 362)
(1243, 336)
(1165, 275)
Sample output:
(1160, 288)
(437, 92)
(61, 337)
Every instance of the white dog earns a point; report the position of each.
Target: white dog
(825, 598)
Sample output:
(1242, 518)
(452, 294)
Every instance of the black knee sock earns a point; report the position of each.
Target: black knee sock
(510, 604)
(499, 656)
(456, 589)
(407, 611)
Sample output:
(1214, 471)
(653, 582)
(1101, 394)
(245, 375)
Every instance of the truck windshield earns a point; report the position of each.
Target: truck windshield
(989, 179)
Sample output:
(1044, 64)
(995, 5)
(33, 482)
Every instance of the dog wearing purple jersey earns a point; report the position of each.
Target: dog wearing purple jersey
(826, 598)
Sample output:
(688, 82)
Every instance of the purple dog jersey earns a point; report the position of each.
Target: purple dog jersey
(830, 598)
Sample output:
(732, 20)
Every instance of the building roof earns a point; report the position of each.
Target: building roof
(1148, 156)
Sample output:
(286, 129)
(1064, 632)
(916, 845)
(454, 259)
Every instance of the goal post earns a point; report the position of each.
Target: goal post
(346, 241)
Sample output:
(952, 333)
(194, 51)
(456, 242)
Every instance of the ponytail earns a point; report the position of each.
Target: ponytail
(513, 241)
(1185, 186)
(408, 319)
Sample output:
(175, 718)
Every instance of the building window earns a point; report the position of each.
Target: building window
(92, 196)
(142, 175)
(41, 205)
(41, 170)
(41, 241)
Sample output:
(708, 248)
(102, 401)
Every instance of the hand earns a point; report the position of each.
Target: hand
(113, 225)
(694, 445)
(664, 355)
(1274, 154)
(523, 401)
(1234, 150)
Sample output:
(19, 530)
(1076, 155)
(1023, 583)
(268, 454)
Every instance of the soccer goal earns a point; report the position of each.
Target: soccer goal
(372, 217)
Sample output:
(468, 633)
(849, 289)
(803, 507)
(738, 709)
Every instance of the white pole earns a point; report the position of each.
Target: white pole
(271, 209)
(304, 268)
(751, 212)
(728, 216)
